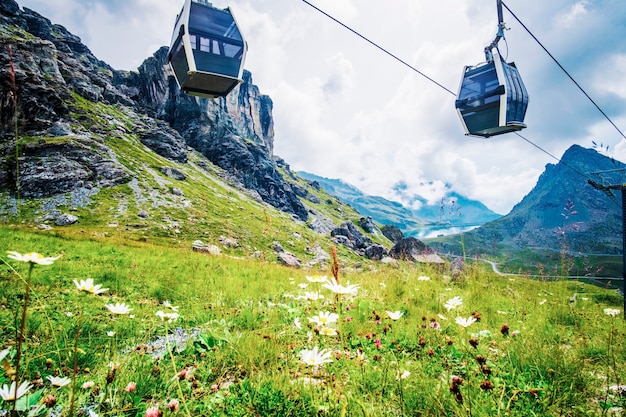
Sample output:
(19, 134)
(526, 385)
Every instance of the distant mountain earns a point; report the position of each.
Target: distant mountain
(453, 214)
(563, 212)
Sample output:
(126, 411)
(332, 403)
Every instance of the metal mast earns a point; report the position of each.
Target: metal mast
(607, 189)
(499, 35)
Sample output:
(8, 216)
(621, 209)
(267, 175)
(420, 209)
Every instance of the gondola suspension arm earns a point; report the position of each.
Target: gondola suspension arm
(499, 35)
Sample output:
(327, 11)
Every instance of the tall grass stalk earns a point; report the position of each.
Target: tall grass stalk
(13, 95)
(20, 336)
(75, 369)
(179, 389)
(32, 259)
(334, 267)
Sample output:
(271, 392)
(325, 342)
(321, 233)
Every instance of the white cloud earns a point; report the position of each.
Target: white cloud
(341, 10)
(267, 43)
(611, 76)
(573, 15)
(340, 78)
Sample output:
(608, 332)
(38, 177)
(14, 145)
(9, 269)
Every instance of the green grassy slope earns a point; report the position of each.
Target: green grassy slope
(537, 348)
(211, 205)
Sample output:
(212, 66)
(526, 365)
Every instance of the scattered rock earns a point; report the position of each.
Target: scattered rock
(318, 252)
(429, 258)
(143, 214)
(390, 261)
(177, 191)
(173, 173)
(315, 184)
(408, 249)
(199, 246)
(299, 190)
(392, 233)
(343, 240)
(313, 199)
(277, 247)
(66, 220)
(367, 224)
(349, 231)
(375, 252)
(320, 223)
(229, 242)
(51, 215)
(457, 266)
(289, 259)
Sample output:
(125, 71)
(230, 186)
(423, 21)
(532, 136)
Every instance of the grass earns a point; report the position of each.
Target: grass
(538, 261)
(537, 348)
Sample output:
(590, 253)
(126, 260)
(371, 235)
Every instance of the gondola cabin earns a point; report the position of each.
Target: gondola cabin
(207, 51)
(492, 99)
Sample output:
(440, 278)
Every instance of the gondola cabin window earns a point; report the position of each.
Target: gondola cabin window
(209, 41)
(492, 99)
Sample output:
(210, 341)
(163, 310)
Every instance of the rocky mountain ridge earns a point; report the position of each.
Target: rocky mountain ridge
(47, 74)
(563, 214)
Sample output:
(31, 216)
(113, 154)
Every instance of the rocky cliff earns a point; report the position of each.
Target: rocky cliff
(48, 79)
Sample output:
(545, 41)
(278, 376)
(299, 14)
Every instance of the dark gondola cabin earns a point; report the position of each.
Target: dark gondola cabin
(492, 99)
(207, 51)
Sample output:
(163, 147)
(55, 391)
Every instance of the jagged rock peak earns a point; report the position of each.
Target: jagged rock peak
(246, 111)
(55, 76)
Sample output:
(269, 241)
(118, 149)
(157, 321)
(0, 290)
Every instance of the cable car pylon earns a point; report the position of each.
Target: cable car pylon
(606, 187)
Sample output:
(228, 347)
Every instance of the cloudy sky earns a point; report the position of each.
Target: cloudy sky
(343, 109)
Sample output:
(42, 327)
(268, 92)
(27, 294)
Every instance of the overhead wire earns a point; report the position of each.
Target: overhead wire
(565, 71)
(585, 176)
(454, 94)
(380, 47)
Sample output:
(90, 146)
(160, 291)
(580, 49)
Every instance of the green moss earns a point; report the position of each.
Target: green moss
(104, 116)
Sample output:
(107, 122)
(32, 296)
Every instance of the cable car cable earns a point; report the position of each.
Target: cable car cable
(552, 156)
(450, 91)
(454, 94)
(381, 48)
(565, 71)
